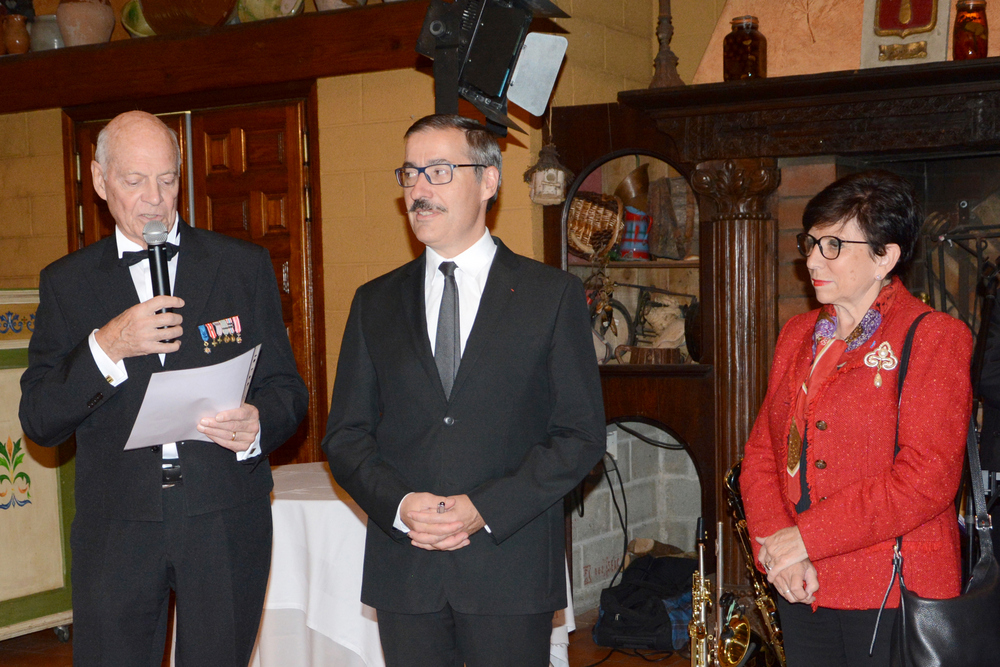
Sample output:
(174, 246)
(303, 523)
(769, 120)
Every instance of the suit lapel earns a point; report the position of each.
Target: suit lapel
(415, 315)
(197, 268)
(113, 282)
(497, 296)
(117, 294)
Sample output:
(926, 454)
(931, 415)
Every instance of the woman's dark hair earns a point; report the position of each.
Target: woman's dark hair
(884, 204)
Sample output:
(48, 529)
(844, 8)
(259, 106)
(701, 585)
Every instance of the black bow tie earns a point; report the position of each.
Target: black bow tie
(130, 257)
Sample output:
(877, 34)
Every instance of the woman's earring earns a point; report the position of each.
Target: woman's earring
(879, 277)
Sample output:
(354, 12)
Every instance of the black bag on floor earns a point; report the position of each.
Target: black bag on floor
(650, 608)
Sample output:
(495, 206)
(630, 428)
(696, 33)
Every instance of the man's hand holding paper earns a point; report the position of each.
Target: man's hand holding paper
(205, 403)
(233, 429)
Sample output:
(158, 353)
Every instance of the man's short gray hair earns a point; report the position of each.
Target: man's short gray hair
(109, 133)
(483, 146)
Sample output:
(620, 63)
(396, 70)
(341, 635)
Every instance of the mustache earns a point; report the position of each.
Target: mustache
(425, 205)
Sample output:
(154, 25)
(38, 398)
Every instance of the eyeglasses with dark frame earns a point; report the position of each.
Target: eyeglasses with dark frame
(829, 246)
(436, 174)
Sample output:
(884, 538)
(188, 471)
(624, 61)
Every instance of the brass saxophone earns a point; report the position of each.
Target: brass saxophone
(761, 588)
(732, 642)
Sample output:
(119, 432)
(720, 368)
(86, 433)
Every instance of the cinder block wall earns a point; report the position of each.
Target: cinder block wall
(32, 196)
(664, 502)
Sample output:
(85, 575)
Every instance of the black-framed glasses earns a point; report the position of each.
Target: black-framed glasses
(436, 174)
(829, 246)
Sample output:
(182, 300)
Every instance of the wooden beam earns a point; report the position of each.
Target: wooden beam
(263, 53)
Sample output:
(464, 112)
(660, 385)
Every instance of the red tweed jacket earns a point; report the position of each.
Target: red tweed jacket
(861, 498)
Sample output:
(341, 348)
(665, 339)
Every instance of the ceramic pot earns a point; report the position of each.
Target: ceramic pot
(169, 17)
(325, 5)
(15, 34)
(45, 33)
(85, 21)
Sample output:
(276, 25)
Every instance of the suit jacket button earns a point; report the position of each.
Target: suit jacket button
(821, 464)
(449, 421)
(155, 448)
(821, 425)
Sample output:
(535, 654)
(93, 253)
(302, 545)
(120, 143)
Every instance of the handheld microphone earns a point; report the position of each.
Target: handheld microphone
(155, 236)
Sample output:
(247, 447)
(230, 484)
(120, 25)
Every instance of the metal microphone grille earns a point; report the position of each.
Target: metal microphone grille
(154, 233)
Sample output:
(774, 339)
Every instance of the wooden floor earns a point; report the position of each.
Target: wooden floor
(43, 649)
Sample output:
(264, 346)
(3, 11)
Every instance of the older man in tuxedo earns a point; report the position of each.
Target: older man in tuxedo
(191, 516)
(467, 403)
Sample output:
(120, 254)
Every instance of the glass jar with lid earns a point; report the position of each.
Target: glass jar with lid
(744, 51)
(971, 37)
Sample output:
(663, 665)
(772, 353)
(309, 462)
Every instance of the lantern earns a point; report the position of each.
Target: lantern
(548, 178)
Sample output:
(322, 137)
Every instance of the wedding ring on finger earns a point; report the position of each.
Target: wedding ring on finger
(788, 591)
(234, 436)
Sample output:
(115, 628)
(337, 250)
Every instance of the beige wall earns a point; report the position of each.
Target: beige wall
(32, 196)
(612, 44)
(362, 118)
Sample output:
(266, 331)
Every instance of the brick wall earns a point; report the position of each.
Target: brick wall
(664, 502)
(801, 179)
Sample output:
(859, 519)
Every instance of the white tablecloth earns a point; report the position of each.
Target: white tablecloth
(313, 613)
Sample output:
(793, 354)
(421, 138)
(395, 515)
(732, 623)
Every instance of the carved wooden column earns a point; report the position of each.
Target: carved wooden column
(743, 311)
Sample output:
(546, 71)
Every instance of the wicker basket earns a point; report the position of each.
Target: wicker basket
(594, 225)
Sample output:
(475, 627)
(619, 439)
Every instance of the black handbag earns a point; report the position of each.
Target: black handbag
(963, 631)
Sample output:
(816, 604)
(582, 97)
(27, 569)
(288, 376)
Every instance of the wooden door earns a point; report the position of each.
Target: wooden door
(249, 173)
(251, 181)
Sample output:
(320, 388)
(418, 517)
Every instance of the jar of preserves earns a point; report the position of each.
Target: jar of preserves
(744, 51)
(971, 36)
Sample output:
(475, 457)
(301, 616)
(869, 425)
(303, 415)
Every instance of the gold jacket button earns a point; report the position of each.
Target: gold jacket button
(821, 464)
(821, 425)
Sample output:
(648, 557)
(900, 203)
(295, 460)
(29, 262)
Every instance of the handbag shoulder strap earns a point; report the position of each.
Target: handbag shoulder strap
(982, 517)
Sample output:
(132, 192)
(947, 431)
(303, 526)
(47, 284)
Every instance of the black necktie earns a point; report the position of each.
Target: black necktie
(130, 257)
(447, 343)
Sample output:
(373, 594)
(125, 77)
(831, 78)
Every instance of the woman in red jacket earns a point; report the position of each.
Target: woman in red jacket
(824, 498)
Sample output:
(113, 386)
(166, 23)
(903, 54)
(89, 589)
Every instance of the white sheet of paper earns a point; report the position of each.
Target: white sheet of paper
(175, 401)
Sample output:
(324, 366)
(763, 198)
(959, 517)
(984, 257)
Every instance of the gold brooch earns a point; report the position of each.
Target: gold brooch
(882, 359)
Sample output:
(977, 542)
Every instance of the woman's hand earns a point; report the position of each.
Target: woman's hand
(780, 550)
(798, 582)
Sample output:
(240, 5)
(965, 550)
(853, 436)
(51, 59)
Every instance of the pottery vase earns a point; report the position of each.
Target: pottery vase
(45, 33)
(15, 34)
(85, 21)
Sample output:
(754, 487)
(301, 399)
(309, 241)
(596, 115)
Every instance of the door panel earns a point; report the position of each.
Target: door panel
(250, 182)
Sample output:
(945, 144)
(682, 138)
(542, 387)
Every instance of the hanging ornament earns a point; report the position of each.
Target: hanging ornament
(548, 177)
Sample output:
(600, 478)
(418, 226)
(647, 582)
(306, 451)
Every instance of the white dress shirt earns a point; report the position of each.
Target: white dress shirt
(473, 269)
(115, 373)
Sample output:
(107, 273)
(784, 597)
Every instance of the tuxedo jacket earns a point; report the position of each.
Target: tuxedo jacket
(862, 497)
(64, 392)
(524, 425)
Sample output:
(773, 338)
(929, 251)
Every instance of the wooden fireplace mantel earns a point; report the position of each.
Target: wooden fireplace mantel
(947, 106)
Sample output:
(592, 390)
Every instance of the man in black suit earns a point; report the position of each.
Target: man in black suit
(191, 516)
(461, 416)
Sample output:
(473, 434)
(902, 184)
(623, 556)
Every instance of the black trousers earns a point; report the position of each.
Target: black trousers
(834, 637)
(217, 564)
(450, 639)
